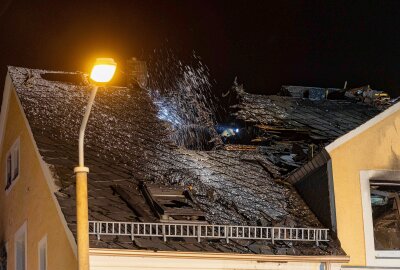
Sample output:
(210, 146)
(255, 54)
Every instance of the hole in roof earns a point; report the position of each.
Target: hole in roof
(336, 95)
(70, 78)
(236, 132)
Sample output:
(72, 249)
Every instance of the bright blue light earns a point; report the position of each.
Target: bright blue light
(237, 130)
(166, 115)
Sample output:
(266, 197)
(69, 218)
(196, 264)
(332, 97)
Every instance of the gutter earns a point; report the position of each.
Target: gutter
(216, 256)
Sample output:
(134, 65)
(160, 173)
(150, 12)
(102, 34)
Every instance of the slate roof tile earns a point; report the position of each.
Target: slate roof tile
(127, 143)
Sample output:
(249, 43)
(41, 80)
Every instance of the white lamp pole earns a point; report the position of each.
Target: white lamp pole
(102, 72)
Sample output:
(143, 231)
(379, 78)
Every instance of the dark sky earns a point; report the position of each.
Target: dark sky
(264, 43)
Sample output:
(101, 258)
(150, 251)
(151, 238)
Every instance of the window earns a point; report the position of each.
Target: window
(172, 203)
(20, 248)
(3, 255)
(385, 204)
(12, 160)
(43, 254)
(379, 189)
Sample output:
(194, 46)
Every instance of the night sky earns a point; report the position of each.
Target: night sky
(265, 44)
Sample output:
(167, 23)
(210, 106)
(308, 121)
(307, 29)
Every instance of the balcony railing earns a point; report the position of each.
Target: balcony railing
(206, 231)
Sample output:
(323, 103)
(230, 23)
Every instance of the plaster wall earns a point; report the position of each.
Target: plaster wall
(30, 200)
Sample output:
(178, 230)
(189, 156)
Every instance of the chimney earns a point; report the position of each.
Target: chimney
(136, 72)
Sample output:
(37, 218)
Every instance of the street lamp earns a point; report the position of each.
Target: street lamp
(102, 72)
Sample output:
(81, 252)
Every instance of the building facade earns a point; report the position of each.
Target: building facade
(131, 171)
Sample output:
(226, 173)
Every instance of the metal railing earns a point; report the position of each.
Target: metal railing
(199, 231)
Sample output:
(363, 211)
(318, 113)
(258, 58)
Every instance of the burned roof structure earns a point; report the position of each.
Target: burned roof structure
(293, 127)
(138, 173)
(320, 118)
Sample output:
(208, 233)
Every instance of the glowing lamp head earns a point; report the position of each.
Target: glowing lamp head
(103, 70)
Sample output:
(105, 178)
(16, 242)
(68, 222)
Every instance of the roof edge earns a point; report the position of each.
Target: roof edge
(44, 70)
(216, 256)
(360, 129)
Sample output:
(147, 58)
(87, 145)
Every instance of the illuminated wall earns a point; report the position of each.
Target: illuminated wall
(374, 146)
(30, 200)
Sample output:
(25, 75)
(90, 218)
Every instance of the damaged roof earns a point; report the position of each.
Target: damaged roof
(321, 119)
(291, 129)
(126, 145)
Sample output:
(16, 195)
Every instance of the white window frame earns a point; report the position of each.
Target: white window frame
(15, 147)
(43, 245)
(375, 257)
(21, 231)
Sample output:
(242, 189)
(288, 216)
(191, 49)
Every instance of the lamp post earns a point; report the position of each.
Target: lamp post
(102, 72)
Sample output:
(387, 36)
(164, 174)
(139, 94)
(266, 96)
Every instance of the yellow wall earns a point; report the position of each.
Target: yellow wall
(377, 148)
(30, 200)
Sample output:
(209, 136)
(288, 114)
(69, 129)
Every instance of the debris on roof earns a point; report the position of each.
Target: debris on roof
(313, 93)
(367, 95)
(293, 127)
(290, 128)
(364, 94)
(127, 143)
(240, 147)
